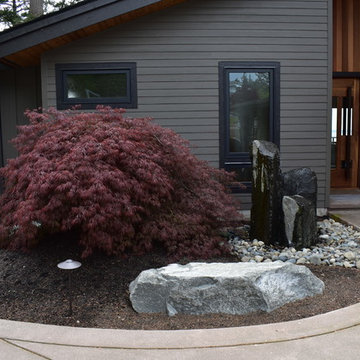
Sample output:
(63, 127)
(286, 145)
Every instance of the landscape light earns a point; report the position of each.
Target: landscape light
(69, 265)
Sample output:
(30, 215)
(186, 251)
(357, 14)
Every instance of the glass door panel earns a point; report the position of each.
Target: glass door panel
(334, 121)
(344, 133)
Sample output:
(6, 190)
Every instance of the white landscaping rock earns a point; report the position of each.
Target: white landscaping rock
(350, 255)
(231, 288)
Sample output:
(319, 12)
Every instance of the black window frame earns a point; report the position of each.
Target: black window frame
(62, 70)
(231, 161)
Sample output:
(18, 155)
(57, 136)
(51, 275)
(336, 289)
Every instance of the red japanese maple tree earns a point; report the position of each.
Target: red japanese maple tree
(122, 183)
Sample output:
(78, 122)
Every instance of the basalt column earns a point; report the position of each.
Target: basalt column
(267, 222)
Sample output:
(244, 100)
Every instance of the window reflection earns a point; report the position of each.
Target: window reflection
(249, 109)
(243, 174)
(86, 86)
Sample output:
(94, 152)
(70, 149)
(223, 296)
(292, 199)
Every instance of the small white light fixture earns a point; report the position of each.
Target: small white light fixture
(69, 265)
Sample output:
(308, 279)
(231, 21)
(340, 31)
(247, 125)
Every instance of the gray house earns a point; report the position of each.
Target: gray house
(218, 72)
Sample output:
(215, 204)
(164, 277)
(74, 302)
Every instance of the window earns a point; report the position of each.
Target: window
(249, 110)
(89, 85)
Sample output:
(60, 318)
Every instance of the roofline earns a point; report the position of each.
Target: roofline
(4, 67)
(28, 23)
(65, 21)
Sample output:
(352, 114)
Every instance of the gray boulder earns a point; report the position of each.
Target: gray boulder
(231, 288)
(300, 221)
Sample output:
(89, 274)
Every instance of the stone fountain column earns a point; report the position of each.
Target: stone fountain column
(267, 217)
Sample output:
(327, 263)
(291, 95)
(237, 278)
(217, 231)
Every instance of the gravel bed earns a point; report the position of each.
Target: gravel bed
(338, 245)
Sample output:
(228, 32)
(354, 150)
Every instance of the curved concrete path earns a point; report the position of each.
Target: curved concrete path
(334, 335)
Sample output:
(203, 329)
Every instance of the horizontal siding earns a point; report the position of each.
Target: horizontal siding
(231, 55)
(302, 142)
(189, 51)
(8, 108)
(245, 201)
(19, 90)
(256, 28)
(177, 52)
(212, 38)
(308, 149)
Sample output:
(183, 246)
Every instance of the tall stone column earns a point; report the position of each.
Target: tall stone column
(267, 222)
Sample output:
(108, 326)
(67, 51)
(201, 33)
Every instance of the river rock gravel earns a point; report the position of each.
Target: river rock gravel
(338, 245)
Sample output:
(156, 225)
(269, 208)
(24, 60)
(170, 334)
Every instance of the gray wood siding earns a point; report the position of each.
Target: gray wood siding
(19, 90)
(8, 111)
(177, 52)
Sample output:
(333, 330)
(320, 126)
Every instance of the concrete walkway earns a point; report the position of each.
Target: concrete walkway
(344, 199)
(348, 217)
(335, 335)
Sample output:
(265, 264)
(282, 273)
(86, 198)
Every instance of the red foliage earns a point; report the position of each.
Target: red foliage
(124, 184)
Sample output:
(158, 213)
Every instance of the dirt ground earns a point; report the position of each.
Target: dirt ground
(33, 289)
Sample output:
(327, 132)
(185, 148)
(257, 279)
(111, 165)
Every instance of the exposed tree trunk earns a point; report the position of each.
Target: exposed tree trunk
(36, 7)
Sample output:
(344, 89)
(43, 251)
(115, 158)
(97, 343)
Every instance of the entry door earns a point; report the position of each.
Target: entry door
(345, 133)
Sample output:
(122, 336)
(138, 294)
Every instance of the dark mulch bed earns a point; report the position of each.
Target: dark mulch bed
(33, 289)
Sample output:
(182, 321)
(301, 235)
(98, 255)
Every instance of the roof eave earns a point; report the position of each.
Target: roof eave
(65, 22)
